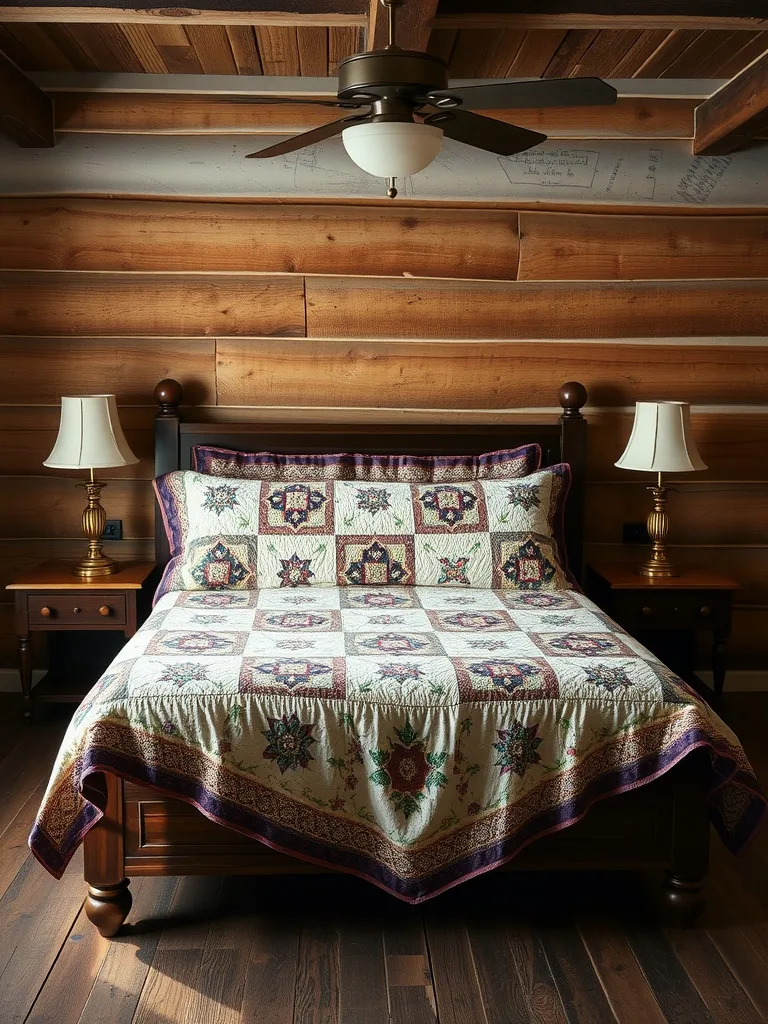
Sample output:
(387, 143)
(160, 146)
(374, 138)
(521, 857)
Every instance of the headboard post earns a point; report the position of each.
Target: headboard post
(168, 395)
(573, 449)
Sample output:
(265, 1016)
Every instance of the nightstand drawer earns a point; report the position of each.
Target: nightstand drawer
(76, 609)
(669, 609)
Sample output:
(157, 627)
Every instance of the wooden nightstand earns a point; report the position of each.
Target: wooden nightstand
(654, 610)
(50, 599)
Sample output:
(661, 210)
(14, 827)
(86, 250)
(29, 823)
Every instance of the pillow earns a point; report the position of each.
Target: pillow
(507, 464)
(237, 534)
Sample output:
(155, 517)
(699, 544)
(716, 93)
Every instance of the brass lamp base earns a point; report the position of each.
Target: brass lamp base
(95, 563)
(658, 566)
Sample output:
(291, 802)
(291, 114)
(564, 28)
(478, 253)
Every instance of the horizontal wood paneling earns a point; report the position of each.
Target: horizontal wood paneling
(114, 234)
(733, 445)
(23, 451)
(40, 370)
(576, 247)
(496, 375)
(17, 555)
(632, 117)
(52, 506)
(700, 513)
(149, 305)
(359, 308)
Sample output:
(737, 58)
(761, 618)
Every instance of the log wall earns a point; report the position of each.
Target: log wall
(353, 311)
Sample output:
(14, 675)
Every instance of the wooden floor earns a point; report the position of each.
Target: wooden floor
(503, 949)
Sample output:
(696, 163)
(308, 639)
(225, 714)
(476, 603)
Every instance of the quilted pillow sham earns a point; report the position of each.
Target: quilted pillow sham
(237, 534)
(507, 464)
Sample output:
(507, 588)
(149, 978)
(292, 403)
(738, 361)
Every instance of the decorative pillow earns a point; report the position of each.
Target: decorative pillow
(507, 464)
(237, 534)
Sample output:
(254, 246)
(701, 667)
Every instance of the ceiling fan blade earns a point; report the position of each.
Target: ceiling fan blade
(541, 92)
(485, 132)
(289, 99)
(326, 131)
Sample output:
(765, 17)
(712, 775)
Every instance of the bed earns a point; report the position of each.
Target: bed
(436, 774)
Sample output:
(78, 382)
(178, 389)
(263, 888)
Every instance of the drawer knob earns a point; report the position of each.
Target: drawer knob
(76, 610)
(646, 610)
(105, 610)
(705, 611)
(45, 611)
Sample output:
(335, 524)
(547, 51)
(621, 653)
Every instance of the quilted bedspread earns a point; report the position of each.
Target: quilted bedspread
(414, 736)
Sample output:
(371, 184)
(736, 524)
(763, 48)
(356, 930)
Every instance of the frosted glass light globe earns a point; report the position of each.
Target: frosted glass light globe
(392, 149)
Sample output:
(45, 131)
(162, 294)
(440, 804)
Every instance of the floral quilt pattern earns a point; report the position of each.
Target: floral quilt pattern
(413, 735)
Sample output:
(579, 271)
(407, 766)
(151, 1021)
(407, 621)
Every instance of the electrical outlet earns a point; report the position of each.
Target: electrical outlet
(113, 530)
(635, 533)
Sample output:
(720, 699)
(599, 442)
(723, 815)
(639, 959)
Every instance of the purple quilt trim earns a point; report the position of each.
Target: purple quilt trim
(358, 466)
(722, 771)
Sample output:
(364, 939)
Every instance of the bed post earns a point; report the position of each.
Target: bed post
(108, 900)
(573, 450)
(168, 395)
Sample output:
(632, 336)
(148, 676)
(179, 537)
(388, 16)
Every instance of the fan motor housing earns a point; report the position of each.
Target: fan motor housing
(390, 73)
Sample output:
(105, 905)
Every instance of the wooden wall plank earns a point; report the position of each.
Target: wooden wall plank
(642, 117)
(23, 451)
(700, 512)
(116, 234)
(211, 45)
(584, 247)
(155, 305)
(732, 445)
(386, 307)
(176, 50)
(54, 505)
(278, 49)
(39, 371)
(244, 50)
(460, 375)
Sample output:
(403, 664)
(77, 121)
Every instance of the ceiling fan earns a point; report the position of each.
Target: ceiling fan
(406, 109)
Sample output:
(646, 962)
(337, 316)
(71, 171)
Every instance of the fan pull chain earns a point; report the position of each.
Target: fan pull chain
(391, 190)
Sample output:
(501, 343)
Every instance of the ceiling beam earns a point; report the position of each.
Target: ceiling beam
(735, 113)
(322, 12)
(414, 24)
(26, 113)
(524, 22)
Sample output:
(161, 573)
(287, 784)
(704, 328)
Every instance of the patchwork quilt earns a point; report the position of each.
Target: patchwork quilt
(415, 736)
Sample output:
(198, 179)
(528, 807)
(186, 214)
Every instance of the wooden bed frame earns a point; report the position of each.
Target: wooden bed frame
(663, 825)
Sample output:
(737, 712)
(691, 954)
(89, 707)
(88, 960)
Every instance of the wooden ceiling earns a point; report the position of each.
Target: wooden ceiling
(481, 44)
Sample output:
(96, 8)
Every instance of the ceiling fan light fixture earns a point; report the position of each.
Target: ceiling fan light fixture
(392, 149)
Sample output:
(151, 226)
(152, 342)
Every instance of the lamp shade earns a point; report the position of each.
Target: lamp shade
(90, 435)
(662, 439)
(392, 149)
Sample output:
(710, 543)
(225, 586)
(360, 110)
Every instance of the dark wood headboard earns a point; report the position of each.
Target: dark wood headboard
(564, 440)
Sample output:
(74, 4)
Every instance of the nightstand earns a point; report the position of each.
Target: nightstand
(659, 612)
(50, 599)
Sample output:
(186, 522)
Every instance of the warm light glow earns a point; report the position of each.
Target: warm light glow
(392, 149)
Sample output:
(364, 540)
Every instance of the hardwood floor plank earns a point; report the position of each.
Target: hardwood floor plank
(623, 983)
(270, 982)
(409, 977)
(720, 991)
(457, 988)
(674, 992)
(36, 915)
(26, 766)
(13, 845)
(317, 977)
(535, 975)
(362, 973)
(65, 992)
(728, 931)
(225, 959)
(579, 987)
(118, 985)
(502, 992)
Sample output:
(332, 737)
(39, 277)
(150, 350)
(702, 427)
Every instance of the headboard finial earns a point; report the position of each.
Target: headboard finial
(168, 395)
(573, 396)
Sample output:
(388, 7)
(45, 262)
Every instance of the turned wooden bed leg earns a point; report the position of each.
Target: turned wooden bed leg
(108, 900)
(683, 893)
(107, 907)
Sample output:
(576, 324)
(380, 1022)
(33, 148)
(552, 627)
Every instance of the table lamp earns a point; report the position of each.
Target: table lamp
(90, 437)
(661, 442)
